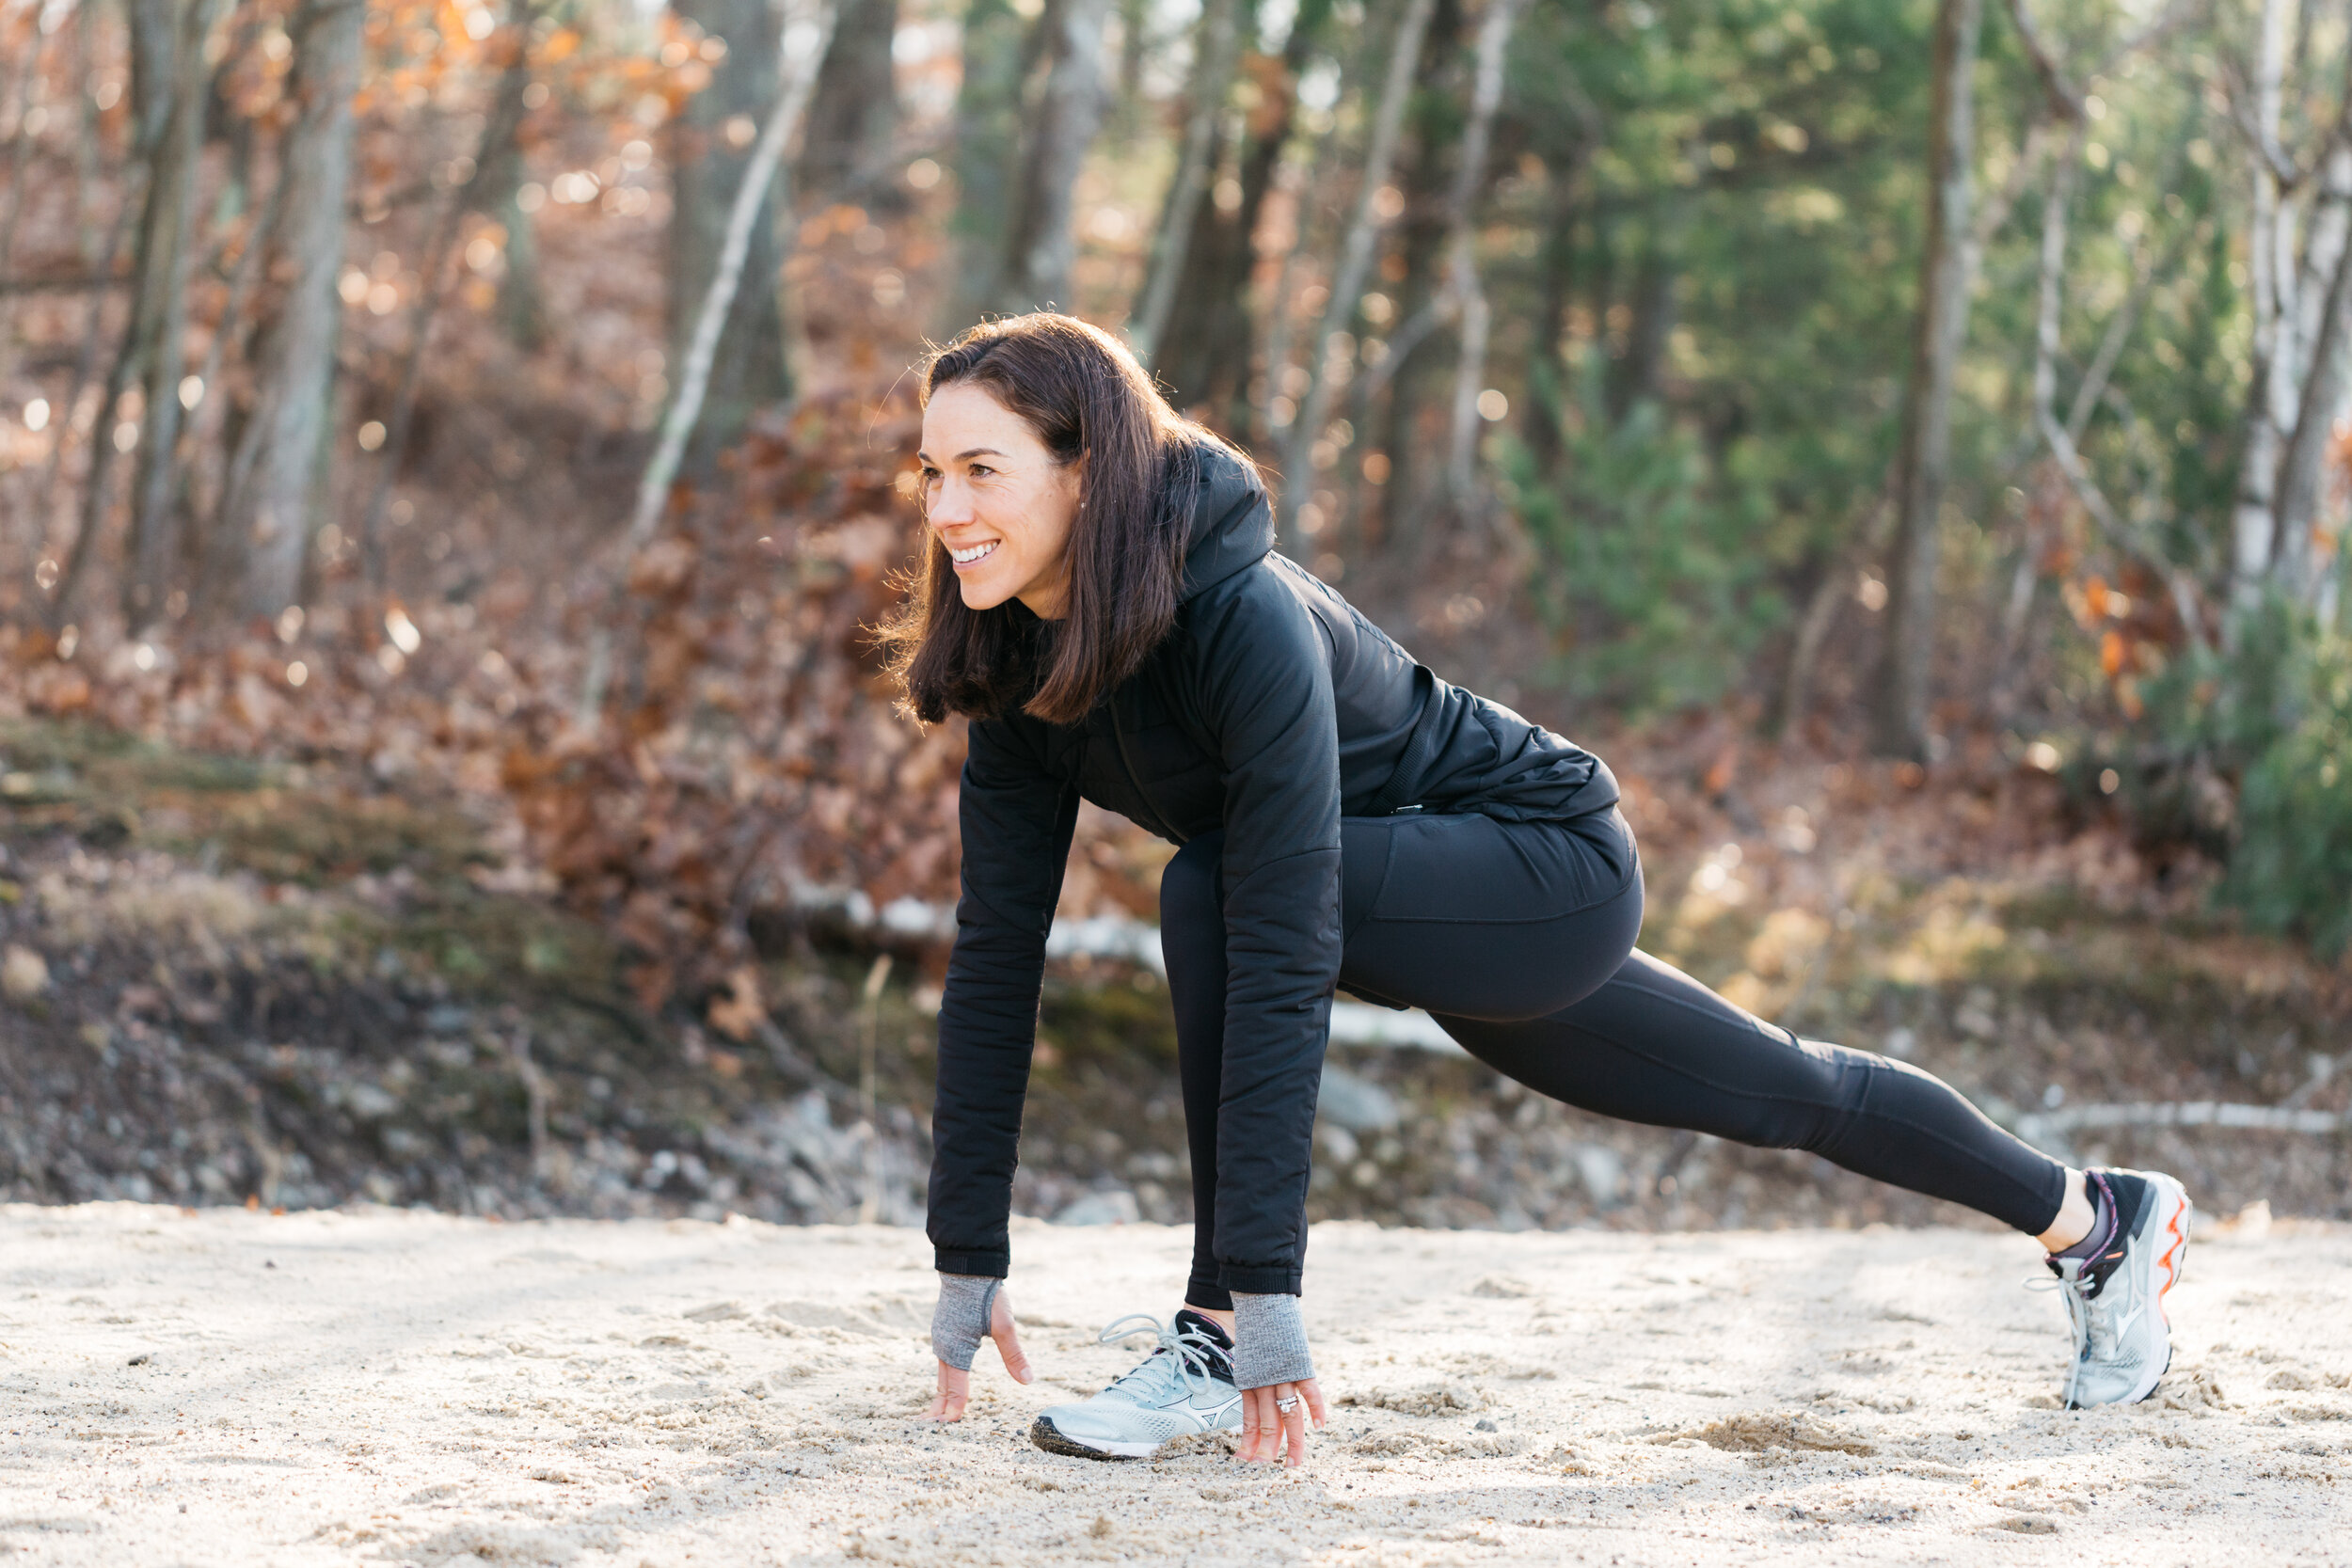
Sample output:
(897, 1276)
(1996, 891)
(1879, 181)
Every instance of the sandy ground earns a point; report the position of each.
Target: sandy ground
(387, 1388)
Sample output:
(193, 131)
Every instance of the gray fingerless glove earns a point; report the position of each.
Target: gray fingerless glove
(1269, 1341)
(959, 1322)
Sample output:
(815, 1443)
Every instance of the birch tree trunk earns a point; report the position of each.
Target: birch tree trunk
(1212, 82)
(266, 529)
(1354, 260)
(1039, 245)
(2270, 387)
(845, 153)
(712, 144)
(2293, 550)
(1494, 38)
(1940, 328)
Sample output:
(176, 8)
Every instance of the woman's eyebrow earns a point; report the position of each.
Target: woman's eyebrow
(965, 457)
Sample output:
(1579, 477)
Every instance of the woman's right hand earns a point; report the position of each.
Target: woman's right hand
(955, 1383)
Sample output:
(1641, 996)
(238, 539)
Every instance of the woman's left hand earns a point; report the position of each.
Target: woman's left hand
(1268, 1431)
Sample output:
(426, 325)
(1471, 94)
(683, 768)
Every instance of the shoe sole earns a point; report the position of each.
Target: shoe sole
(2177, 1216)
(2178, 1223)
(1047, 1435)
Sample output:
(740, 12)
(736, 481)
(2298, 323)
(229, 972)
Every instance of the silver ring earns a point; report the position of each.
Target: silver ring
(1286, 1406)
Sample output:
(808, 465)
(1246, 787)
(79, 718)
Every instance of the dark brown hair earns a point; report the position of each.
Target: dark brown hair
(1083, 394)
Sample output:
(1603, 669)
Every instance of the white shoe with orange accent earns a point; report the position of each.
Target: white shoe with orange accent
(2115, 1302)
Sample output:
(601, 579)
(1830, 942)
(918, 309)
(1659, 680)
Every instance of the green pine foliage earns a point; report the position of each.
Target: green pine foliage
(1646, 573)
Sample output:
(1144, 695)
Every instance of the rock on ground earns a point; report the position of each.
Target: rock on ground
(379, 1387)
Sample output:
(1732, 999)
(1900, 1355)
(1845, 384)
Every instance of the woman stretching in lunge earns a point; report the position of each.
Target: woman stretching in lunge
(1102, 596)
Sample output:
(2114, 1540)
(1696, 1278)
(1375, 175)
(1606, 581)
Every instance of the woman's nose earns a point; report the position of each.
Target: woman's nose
(950, 504)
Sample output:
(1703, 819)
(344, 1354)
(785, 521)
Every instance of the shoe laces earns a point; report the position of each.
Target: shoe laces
(1191, 1355)
(2090, 1320)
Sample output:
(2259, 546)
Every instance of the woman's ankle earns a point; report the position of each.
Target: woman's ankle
(2075, 1216)
(1221, 1316)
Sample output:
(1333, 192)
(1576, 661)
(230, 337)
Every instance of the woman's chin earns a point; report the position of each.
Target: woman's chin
(981, 594)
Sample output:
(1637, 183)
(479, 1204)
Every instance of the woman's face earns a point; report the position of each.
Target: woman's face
(998, 501)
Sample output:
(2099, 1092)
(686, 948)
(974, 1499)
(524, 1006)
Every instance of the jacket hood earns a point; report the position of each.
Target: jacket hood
(1233, 519)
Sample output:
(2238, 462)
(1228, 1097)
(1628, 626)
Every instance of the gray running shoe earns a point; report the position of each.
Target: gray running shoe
(2115, 1302)
(1183, 1387)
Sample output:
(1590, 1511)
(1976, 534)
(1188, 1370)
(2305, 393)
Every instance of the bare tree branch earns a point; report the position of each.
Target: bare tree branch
(2119, 332)
(2064, 99)
(2118, 533)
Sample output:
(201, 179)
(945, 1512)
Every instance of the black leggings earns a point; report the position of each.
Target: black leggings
(1519, 938)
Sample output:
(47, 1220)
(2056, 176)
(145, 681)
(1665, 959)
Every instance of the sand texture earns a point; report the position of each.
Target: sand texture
(181, 1387)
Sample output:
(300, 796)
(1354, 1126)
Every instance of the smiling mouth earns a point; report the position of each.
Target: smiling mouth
(976, 553)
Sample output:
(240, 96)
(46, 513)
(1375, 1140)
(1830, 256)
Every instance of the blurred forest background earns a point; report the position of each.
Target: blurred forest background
(450, 453)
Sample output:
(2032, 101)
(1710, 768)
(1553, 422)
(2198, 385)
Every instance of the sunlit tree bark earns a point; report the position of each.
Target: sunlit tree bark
(1040, 245)
(2269, 250)
(266, 523)
(1900, 726)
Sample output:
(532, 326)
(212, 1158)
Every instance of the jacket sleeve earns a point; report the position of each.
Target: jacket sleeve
(1016, 822)
(1269, 700)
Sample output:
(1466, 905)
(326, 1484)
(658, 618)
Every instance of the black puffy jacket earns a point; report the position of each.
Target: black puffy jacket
(1271, 710)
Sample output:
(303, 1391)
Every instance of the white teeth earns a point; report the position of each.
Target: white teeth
(965, 558)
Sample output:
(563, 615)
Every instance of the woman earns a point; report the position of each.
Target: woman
(1101, 596)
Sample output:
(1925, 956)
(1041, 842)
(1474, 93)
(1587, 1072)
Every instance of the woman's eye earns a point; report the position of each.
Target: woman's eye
(981, 470)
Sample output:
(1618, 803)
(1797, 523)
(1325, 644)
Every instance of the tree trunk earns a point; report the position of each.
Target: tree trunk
(1039, 245)
(1412, 433)
(1494, 38)
(166, 251)
(164, 150)
(2269, 392)
(701, 345)
(25, 89)
(1547, 391)
(1135, 25)
(520, 309)
(265, 531)
(1938, 333)
(1205, 355)
(1215, 49)
(2295, 560)
(433, 270)
(1633, 374)
(845, 153)
(1354, 260)
(711, 146)
(998, 50)
(153, 27)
